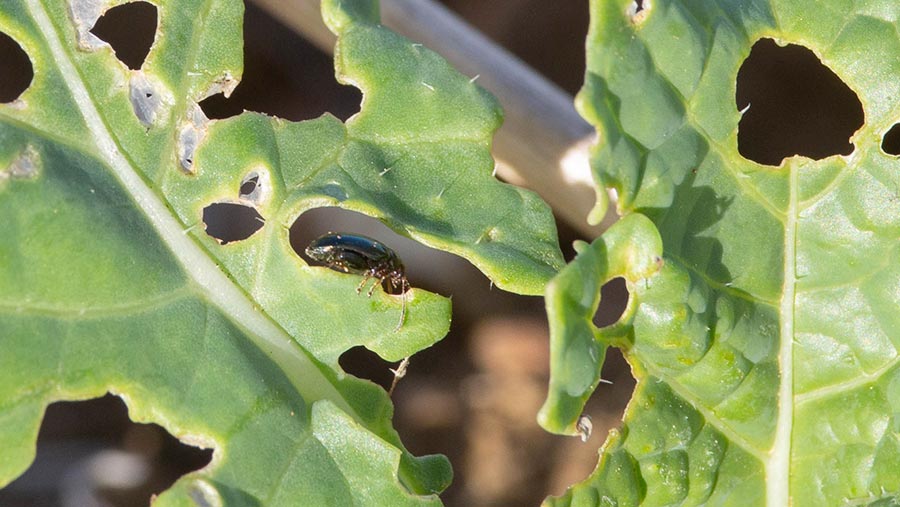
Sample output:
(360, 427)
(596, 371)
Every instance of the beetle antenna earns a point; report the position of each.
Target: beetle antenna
(404, 286)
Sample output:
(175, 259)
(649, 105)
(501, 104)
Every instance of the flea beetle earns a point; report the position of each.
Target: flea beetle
(360, 255)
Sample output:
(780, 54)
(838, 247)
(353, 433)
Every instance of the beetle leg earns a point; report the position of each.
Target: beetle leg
(372, 288)
(362, 284)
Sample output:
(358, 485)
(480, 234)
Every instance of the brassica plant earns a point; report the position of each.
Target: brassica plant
(762, 323)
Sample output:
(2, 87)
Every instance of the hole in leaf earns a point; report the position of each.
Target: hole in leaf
(363, 363)
(301, 237)
(613, 300)
(248, 186)
(256, 186)
(638, 10)
(426, 268)
(16, 71)
(797, 106)
(284, 75)
(890, 143)
(130, 30)
(228, 222)
(318, 221)
(91, 453)
(608, 402)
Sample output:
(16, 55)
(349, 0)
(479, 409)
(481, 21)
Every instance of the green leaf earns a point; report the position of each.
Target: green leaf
(766, 347)
(431, 132)
(631, 248)
(109, 283)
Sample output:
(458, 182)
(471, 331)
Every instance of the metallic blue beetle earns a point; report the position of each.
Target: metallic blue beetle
(361, 255)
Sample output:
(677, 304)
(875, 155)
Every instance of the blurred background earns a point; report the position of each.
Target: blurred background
(473, 396)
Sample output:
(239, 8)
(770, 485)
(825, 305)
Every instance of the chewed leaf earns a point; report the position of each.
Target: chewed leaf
(630, 249)
(417, 156)
(121, 270)
(420, 150)
(766, 347)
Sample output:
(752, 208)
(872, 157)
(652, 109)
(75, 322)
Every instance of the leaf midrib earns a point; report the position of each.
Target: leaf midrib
(303, 373)
(778, 466)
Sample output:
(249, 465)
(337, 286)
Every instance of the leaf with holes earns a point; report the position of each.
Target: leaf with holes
(115, 277)
(765, 342)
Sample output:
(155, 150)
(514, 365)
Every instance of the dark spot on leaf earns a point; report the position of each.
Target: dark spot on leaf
(228, 222)
(83, 445)
(890, 143)
(130, 30)
(797, 106)
(613, 300)
(284, 76)
(16, 71)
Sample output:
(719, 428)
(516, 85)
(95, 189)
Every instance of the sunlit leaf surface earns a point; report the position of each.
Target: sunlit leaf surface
(109, 281)
(765, 348)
